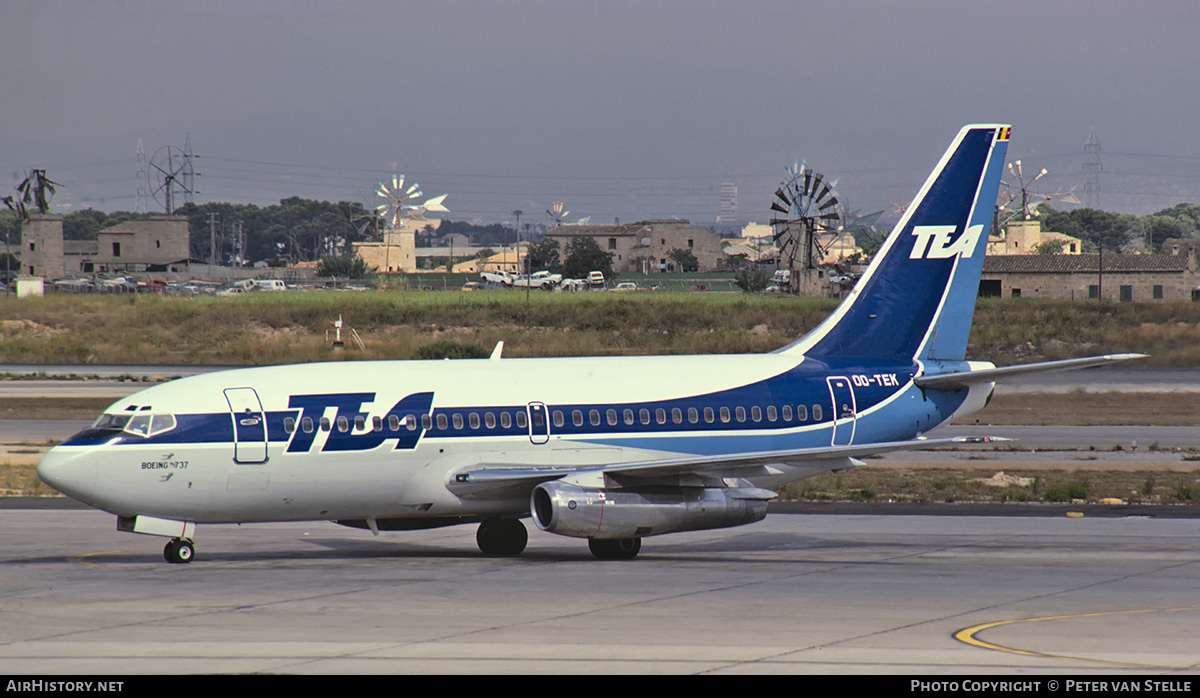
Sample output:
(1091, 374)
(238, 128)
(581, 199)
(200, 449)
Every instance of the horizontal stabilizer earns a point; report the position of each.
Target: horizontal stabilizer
(963, 379)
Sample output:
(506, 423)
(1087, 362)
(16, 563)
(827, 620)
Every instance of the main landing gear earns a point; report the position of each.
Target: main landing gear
(502, 537)
(616, 549)
(179, 551)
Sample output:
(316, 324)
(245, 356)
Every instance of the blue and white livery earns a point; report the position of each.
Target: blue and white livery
(608, 449)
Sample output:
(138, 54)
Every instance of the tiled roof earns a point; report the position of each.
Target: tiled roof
(1083, 263)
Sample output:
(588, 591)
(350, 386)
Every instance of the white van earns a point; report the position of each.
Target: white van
(270, 285)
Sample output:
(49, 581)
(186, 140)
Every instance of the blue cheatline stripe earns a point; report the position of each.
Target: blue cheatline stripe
(803, 386)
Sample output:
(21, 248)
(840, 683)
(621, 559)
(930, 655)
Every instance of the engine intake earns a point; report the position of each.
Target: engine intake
(586, 512)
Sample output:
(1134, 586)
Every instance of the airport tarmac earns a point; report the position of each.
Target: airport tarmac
(791, 594)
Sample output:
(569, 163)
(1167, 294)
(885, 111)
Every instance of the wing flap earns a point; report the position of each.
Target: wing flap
(485, 480)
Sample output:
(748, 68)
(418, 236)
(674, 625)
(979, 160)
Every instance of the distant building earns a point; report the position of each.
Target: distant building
(646, 246)
(1024, 237)
(157, 244)
(727, 214)
(1115, 277)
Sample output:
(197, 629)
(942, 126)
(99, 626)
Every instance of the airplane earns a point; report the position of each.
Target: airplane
(608, 449)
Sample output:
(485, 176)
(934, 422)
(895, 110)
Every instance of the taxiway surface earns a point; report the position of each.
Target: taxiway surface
(791, 594)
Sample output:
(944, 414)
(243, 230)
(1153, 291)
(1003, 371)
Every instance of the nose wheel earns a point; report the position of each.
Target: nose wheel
(179, 551)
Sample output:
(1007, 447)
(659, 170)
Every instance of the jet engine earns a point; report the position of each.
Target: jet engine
(616, 513)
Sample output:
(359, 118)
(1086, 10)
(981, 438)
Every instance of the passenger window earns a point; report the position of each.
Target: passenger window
(772, 413)
(457, 419)
(521, 421)
(693, 415)
(558, 418)
(644, 416)
(612, 418)
(473, 418)
(489, 420)
(411, 422)
(660, 416)
(816, 413)
(741, 413)
(377, 423)
(577, 418)
(505, 420)
(325, 424)
(343, 424)
(801, 412)
(289, 424)
(756, 413)
(787, 413)
(307, 425)
(442, 423)
(594, 417)
(725, 415)
(426, 422)
(394, 422)
(676, 415)
(709, 415)
(360, 422)
(628, 417)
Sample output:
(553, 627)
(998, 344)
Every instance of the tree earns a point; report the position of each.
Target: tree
(584, 255)
(344, 266)
(544, 255)
(1050, 247)
(684, 260)
(752, 281)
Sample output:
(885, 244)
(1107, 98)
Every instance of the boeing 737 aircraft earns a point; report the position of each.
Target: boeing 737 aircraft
(608, 449)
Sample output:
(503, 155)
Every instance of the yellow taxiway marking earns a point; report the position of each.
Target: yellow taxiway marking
(80, 558)
(967, 635)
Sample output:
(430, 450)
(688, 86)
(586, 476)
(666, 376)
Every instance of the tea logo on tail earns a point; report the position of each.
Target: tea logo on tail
(942, 247)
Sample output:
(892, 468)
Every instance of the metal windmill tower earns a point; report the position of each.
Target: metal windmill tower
(809, 208)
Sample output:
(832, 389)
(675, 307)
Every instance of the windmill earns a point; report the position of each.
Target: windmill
(170, 173)
(32, 190)
(397, 204)
(808, 204)
(1019, 191)
(558, 213)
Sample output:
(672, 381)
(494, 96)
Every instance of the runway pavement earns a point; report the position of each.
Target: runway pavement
(791, 594)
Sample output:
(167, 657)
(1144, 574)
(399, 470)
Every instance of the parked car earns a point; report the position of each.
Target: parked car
(626, 286)
(538, 279)
(472, 286)
(596, 279)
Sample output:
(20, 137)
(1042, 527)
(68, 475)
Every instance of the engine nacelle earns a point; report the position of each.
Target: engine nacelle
(589, 512)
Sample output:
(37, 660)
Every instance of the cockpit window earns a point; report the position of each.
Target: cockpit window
(111, 421)
(150, 425)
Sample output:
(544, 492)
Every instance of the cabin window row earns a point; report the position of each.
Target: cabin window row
(611, 417)
(694, 415)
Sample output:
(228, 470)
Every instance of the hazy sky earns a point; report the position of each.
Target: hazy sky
(619, 109)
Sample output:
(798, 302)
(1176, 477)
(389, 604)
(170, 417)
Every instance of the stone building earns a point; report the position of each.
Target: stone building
(1115, 277)
(1024, 237)
(157, 244)
(42, 247)
(646, 246)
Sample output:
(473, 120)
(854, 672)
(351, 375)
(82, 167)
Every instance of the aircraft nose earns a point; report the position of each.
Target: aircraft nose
(71, 473)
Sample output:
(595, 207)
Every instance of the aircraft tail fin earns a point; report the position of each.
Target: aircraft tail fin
(917, 298)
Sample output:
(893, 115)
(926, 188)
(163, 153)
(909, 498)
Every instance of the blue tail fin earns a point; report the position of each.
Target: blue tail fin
(917, 298)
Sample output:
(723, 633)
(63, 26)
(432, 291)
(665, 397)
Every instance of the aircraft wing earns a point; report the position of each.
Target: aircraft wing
(482, 478)
(964, 379)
